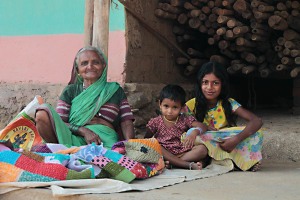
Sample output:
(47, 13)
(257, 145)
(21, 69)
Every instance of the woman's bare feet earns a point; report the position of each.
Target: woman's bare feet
(168, 165)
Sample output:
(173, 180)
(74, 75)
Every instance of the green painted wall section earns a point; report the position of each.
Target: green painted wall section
(44, 17)
(117, 17)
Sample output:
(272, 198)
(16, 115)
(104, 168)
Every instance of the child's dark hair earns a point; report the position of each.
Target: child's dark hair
(201, 103)
(173, 92)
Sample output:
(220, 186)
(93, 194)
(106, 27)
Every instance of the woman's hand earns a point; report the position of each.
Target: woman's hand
(89, 136)
(229, 144)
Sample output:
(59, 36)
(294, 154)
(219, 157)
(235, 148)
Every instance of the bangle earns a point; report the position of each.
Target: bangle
(74, 128)
(190, 165)
(192, 129)
(200, 129)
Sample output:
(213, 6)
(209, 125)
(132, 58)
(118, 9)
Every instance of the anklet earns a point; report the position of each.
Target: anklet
(190, 165)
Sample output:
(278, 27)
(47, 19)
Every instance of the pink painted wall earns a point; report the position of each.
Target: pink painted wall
(49, 58)
(116, 56)
(39, 58)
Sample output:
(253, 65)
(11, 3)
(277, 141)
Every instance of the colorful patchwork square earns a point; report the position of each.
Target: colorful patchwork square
(9, 173)
(9, 157)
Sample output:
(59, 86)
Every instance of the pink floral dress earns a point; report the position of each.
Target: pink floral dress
(169, 137)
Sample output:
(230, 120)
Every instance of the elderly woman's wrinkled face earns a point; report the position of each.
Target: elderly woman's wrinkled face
(90, 67)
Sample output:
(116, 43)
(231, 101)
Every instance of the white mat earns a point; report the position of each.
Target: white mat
(96, 186)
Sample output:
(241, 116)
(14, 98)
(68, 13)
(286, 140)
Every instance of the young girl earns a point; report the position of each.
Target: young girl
(171, 124)
(213, 107)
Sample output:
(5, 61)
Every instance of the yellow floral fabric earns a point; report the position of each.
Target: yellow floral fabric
(215, 117)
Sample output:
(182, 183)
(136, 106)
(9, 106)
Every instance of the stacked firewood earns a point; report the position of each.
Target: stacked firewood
(259, 37)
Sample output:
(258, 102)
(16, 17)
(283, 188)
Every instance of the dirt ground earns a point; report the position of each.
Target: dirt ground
(281, 134)
(275, 180)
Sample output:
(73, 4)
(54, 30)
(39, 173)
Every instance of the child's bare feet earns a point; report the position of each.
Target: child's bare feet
(168, 165)
(192, 166)
(196, 166)
(256, 167)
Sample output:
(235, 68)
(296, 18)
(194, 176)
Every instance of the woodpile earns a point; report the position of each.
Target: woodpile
(260, 37)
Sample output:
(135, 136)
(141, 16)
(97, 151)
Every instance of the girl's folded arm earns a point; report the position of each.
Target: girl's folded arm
(254, 123)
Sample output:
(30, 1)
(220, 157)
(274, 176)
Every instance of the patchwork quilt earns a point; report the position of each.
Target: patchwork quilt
(85, 162)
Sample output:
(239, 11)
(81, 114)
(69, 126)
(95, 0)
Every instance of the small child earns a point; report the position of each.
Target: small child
(171, 124)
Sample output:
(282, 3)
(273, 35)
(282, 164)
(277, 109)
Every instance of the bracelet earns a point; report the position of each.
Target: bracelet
(192, 129)
(190, 165)
(74, 128)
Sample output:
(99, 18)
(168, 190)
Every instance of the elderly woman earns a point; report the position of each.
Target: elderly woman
(90, 109)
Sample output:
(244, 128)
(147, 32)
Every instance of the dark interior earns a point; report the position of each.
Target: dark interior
(259, 93)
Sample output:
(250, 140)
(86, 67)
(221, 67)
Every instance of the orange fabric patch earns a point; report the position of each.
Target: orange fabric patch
(9, 173)
(153, 143)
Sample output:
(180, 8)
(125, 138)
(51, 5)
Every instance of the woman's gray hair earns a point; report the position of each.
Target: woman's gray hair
(90, 48)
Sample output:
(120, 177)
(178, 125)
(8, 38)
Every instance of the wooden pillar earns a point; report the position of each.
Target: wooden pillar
(101, 25)
(88, 22)
(296, 96)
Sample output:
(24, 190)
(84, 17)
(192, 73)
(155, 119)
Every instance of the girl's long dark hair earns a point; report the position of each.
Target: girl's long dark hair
(201, 103)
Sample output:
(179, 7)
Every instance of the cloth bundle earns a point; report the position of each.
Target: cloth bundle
(112, 164)
(21, 131)
(29, 166)
(146, 151)
(53, 162)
